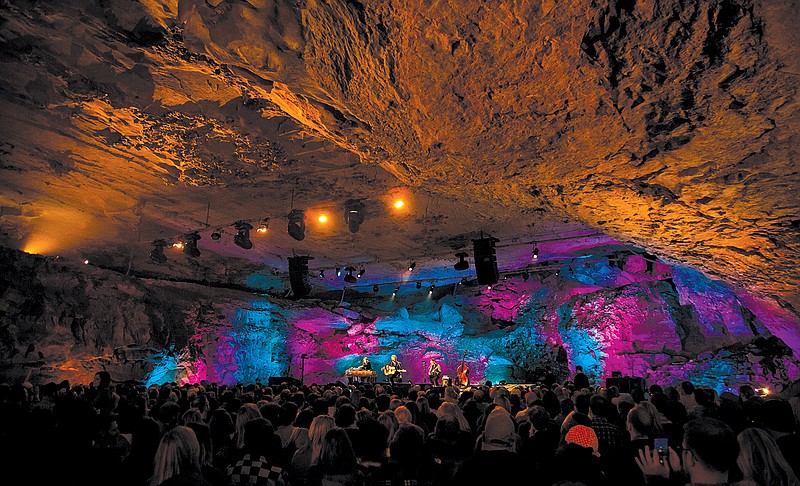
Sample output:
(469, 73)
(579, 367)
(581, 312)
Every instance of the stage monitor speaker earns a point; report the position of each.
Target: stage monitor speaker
(485, 260)
(298, 275)
(274, 381)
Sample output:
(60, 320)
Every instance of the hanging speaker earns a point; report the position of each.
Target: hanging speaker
(298, 276)
(485, 260)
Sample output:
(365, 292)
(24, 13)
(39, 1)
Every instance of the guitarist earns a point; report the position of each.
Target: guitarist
(434, 372)
(393, 370)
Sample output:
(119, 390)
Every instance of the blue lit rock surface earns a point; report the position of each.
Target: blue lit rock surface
(65, 321)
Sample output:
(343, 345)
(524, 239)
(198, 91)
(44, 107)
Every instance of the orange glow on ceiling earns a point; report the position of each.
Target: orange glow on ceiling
(56, 230)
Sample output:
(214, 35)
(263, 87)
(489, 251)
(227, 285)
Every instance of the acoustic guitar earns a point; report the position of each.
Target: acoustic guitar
(391, 370)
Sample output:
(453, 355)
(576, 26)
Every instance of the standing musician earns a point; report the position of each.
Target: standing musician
(434, 372)
(393, 370)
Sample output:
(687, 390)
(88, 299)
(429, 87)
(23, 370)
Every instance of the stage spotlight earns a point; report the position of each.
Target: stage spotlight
(264, 226)
(178, 245)
(463, 280)
(431, 288)
(535, 252)
(339, 271)
(374, 288)
(349, 278)
(242, 237)
(419, 285)
(190, 246)
(297, 224)
(322, 218)
(216, 235)
(411, 266)
(396, 289)
(462, 264)
(360, 273)
(398, 204)
(525, 276)
(558, 272)
(322, 274)
(354, 214)
(157, 253)
(86, 262)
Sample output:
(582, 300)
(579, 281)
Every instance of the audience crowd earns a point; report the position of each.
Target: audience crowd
(340, 434)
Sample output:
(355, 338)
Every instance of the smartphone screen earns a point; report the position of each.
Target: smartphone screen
(661, 448)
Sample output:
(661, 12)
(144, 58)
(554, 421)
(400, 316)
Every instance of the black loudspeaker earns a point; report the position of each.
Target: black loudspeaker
(485, 260)
(298, 275)
(274, 381)
(626, 384)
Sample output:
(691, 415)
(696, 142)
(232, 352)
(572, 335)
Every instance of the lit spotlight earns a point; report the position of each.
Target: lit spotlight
(398, 204)
(86, 262)
(339, 271)
(431, 288)
(411, 266)
(396, 289)
(178, 245)
(360, 273)
(558, 272)
(323, 218)
(264, 226)
(322, 274)
(535, 252)
(488, 287)
(374, 288)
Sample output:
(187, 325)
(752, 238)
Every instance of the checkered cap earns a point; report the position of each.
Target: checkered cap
(584, 436)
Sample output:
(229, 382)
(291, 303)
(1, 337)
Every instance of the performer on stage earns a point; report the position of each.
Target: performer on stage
(365, 364)
(434, 372)
(393, 370)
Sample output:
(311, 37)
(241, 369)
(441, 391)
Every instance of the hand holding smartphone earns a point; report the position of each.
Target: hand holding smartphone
(662, 448)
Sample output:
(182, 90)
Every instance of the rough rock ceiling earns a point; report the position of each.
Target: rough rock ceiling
(668, 125)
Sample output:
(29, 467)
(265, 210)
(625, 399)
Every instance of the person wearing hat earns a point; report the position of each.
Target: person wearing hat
(496, 459)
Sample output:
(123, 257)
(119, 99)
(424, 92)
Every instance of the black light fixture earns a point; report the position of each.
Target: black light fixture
(411, 266)
(463, 280)
(374, 288)
(190, 245)
(431, 288)
(297, 224)
(353, 214)
(157, 253)
(216, 235)
(349, 278)
(525, 275)
(298, 275)
(360, 273)
(462, 263)
(242, 237)
(419, 285)
(396, 289)
(322, 274)
(339, 271)
(535, 252)
(558, 272)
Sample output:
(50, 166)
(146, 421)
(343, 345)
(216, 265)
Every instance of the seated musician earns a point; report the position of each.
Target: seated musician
(365, 364)
(434, 372)
(393, 370)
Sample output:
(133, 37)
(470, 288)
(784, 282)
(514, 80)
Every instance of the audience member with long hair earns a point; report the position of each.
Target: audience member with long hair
(177, 460)
(761, 461)
(308, 455)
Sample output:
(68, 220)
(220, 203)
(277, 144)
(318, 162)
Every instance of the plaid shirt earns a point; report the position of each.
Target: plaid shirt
(255, 472)
(609, 436)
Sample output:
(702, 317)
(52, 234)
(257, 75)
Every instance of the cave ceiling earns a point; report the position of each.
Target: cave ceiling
(671, 126)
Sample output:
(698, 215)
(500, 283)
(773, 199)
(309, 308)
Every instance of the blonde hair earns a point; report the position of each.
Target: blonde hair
(388, 420)
(760, 459)
(178, 452)
(246, 413)
(403, 415)
(316, 434)
(453, 410)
